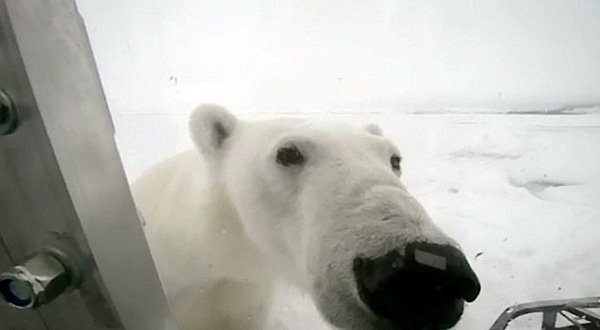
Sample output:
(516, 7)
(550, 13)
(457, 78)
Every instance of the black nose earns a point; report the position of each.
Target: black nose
(424, 288)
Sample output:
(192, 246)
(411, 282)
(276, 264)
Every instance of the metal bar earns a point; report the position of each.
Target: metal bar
(587, 326)
(572, 320)
(540, 306)
(61, 176)
(586, 313)
(549, 320)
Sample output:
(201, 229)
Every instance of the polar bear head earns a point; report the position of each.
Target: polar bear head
(326, 206)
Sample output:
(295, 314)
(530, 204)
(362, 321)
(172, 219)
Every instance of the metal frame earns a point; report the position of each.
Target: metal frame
(61, 180)
(575, 311)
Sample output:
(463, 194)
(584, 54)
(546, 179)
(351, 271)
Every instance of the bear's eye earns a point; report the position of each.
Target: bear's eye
(289, 155)
(395, 162)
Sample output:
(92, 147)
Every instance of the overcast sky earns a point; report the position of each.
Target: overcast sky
(273, 55)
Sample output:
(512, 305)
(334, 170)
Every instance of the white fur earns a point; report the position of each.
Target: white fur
(225, 222)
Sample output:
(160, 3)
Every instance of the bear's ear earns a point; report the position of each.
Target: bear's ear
(373, 129)
(210, 126)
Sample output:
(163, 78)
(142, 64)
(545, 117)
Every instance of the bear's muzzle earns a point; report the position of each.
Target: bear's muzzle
(423, 288)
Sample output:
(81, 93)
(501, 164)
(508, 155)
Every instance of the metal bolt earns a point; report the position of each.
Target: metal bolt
(8, 114)
(38, 281)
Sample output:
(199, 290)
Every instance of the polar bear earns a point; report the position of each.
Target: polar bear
(317, 205)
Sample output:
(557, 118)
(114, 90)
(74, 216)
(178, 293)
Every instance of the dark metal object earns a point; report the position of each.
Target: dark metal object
(38, 281)
(8, 114)
(578, 312)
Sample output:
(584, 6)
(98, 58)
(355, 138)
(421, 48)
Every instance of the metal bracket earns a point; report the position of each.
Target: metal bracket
(576, 311)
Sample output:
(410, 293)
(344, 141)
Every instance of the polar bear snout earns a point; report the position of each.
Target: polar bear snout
(425, 286)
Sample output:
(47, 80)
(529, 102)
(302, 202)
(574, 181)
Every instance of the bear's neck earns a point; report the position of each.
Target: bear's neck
(237, 255)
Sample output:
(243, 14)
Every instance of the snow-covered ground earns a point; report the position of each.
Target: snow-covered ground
(520, 192)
